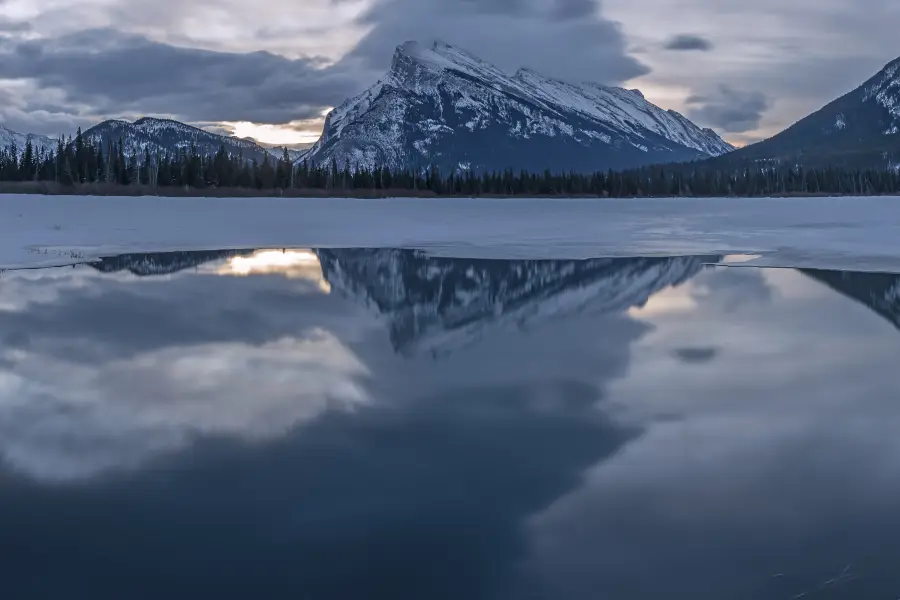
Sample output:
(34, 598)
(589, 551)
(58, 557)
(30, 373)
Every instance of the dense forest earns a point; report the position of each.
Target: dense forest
(79, 161)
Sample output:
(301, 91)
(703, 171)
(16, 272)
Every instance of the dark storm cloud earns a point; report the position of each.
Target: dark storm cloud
(560, 38)
(119, 73)
(687, 41)
(696, 355)
(732, 110)
(108, 73)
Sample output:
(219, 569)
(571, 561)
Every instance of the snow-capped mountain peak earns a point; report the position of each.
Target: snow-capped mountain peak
(440, 56)
(442, 106)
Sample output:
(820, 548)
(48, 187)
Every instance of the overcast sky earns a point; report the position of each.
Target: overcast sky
(272, 69)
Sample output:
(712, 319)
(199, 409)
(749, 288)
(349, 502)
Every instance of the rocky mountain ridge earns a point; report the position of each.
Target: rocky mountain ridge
(441, 106)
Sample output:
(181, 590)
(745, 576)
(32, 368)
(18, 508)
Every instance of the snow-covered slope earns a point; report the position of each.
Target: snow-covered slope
(441, 106)
(884, 91)
(9, 138)
(434, 305)
(165, 135)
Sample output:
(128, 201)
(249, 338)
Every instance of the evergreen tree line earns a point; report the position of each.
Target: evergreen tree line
(77, 161)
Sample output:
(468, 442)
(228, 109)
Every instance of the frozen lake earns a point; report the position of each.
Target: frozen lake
(857, 233)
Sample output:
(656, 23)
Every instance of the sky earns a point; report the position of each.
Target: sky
(273, 70)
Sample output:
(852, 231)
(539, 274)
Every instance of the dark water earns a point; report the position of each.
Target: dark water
(345, 424)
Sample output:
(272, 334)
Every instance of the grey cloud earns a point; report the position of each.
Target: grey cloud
(732, 110)
(574, 9)
(728, 289)
(25, 109)
(9, 26)
(740, 456)
(568, 39)
(84, 322)
(805, 53)
(687, 41)
(44, 123)
(105, 73)
(118, 73)
(696, 355)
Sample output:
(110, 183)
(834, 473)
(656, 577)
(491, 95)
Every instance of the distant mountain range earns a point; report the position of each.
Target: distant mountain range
(861, 129)
(157, 136)
(441, 106)
(165, 135)
(9, 138)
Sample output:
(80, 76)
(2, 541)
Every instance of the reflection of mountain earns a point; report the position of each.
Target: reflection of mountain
(435, 304)
(878, 291)
(162, 263)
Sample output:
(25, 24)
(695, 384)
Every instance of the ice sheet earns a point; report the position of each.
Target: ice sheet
(857, 233)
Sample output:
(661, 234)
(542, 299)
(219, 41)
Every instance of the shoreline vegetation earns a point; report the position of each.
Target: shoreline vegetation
(84, 167)
(50, 188)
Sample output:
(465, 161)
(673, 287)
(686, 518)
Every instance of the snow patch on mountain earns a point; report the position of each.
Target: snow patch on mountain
(624, 109)
(9, 138)
(885, 90)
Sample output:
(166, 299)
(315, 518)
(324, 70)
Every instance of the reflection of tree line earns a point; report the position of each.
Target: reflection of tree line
(420, 291)
(162, 263)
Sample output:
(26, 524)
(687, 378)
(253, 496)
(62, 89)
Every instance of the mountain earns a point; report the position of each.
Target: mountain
(441, 106)
(434, 305)
(859, 129)
(9, 137)
(165, 135)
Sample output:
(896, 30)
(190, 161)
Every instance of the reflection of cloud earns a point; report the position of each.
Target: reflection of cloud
(61, 420)
(101, 371)
(668, 301)
(293, 264)
(81, 315)
(730, 288)
(438, 459)
(20, 288)
(786, 449)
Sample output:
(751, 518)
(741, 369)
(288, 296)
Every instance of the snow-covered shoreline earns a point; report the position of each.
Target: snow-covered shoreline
(856, 233)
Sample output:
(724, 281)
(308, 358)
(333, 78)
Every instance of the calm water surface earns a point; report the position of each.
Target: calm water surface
(343, 424)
